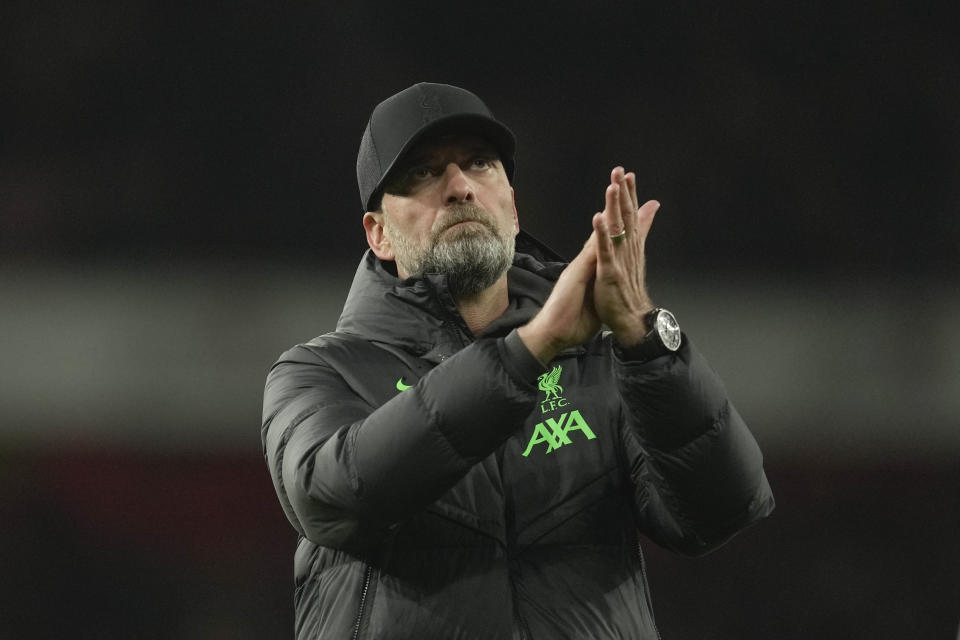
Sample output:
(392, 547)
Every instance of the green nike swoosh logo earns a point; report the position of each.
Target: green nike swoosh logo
(401, 386)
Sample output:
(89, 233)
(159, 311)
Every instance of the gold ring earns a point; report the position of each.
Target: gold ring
(617, 239)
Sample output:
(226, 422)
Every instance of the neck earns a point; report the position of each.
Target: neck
(480, 310)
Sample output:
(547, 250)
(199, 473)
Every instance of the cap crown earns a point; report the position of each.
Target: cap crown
(426, 109)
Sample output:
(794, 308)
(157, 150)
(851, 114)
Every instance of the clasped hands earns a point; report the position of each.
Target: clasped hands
(605, 283)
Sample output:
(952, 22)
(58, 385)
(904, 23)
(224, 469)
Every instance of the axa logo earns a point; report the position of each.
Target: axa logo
(556, 433)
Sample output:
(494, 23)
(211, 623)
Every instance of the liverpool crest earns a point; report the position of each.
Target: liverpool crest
(549, 383)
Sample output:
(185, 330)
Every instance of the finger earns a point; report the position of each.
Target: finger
(646, 215)
(631, 179)
(611, 211)
(604, 241)
(627, 210)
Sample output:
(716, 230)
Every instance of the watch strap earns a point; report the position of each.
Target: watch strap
(650, 348)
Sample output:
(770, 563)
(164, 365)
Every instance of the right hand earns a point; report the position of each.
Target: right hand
(568, 317)
(620, 290)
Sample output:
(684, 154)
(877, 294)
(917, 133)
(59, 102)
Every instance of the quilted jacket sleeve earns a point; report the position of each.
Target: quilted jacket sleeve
(343, 468)
(697, 470)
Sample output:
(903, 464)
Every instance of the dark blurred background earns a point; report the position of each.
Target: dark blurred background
(178, 205)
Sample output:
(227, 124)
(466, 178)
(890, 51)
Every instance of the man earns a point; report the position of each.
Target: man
(468, 455)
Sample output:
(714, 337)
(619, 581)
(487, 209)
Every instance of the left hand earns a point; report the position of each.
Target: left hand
(567, 317)
(620, 290)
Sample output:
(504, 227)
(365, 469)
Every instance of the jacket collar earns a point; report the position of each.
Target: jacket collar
(419, 315)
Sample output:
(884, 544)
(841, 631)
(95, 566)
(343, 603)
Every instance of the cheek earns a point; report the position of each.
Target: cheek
(417, 235)
(408, 226)
(508, 214)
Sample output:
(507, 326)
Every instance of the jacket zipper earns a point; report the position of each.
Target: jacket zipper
(643, 570)
(363, 600)
(521, 625)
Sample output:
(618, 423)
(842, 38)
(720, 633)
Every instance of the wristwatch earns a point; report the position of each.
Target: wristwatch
(663, 337)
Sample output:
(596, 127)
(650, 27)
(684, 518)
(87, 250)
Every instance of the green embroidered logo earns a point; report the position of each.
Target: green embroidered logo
(557, 434)
(549, 383)
(555, 431)
(401, 386)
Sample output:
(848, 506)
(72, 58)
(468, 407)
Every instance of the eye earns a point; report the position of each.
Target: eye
(421, 172)
(481, 162)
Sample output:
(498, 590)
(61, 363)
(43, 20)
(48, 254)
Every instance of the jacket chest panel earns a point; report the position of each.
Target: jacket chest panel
(563, 463)
(554, 477)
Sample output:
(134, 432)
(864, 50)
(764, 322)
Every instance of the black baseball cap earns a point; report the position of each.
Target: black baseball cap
(401, 121)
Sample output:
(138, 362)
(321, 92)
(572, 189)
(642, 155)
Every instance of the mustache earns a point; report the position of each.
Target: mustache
(465, 212)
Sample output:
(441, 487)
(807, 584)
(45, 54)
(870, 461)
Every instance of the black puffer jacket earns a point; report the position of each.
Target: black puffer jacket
(479, 502)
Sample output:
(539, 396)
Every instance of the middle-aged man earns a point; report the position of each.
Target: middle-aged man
(468, 455)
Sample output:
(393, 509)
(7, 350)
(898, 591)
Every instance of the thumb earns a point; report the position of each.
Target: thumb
(583, 266)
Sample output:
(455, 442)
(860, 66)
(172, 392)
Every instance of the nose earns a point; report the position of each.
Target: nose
(457, 187)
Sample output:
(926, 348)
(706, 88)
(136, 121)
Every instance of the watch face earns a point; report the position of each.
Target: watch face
(668, 329)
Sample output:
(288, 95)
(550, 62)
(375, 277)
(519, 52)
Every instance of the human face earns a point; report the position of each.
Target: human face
(450, 210)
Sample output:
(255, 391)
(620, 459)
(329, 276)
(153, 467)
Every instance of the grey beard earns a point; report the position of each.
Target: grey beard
(472, 261)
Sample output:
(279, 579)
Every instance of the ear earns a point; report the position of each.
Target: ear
(376, 237)
(516, 219)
